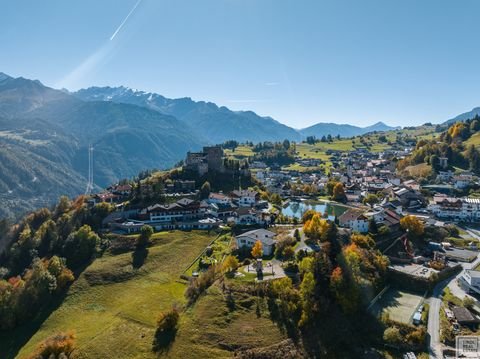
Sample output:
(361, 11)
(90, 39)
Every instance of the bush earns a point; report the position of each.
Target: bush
(57, 346)
(199, 285)
(392, 335)
(167, 321)
(143, 239)
(167, 325)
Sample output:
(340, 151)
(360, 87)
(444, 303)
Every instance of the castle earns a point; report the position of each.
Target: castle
(211, 158)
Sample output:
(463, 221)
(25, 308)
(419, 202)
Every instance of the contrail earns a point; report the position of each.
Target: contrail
(125, 20)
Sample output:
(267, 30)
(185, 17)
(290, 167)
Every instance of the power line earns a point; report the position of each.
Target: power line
(89, 188)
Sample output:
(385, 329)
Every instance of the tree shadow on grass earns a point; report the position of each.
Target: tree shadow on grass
(163, 341)
(12, 341)
(138, 257)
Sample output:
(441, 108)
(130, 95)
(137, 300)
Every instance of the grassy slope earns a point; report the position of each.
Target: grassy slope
(113, 307)
(214, 329)
(474, 140)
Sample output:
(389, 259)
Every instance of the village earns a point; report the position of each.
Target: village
(434, 281)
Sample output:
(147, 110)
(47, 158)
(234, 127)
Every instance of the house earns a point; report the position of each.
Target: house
(471, 280)
(219, 198)
(222, 211)
(458, 209)
(465, 317)
(251, 216)
(355, 220)
(105, 197)
(128, 227)
(444, 176)
(391, 219)
(462, 181)
(245, 198)
(248, 239)
(121, 190)
(408, 197)
(183, 210)
(184, 186)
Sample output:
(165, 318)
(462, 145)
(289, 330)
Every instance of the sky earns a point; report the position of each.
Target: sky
(299, 61)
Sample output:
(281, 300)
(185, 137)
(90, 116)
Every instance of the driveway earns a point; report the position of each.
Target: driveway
(302, 245)
(271, 270)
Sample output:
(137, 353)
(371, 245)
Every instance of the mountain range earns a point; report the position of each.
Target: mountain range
(45, 134)
(464, 116)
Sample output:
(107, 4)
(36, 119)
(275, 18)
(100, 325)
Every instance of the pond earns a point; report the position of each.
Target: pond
(298, 208)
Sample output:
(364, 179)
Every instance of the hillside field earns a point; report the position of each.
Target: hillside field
(319, 150)
(113, 307)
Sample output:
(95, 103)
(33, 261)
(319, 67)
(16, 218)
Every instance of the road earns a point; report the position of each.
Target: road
(434, 345)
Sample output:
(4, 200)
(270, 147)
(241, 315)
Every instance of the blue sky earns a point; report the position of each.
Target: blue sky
(402, 62)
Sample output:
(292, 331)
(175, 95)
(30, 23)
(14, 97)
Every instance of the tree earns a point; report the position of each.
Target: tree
(62, 206)
(306, 265)
(167, 326)
(257, 250)
(80, 246)
(308, 215)
(435, 162)
(230, 264)
(143, 239)
(288, 253)
(276, 199)
(205, 190)
(372, 226)
(60, 345)
(362, 241)
(371, 199)
(330, 185)
(168, 320)
(315, 227)
(296, 234)
(339, 192)
(392, 335)
(307, 290)
(412, 225)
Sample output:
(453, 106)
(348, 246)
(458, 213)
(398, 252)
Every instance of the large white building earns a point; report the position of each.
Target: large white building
(458, 209)
(471, 280)
(267, 238)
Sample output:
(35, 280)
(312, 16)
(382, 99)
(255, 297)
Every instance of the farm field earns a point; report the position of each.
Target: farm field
(399, 305)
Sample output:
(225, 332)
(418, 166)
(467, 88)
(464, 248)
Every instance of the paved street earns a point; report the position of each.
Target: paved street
(435, 347)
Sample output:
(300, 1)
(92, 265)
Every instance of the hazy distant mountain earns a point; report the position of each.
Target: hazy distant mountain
(212, 123)
(465, 116)
(324, 129)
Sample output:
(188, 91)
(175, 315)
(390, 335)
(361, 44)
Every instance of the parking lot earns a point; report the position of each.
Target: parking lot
(416, 270)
